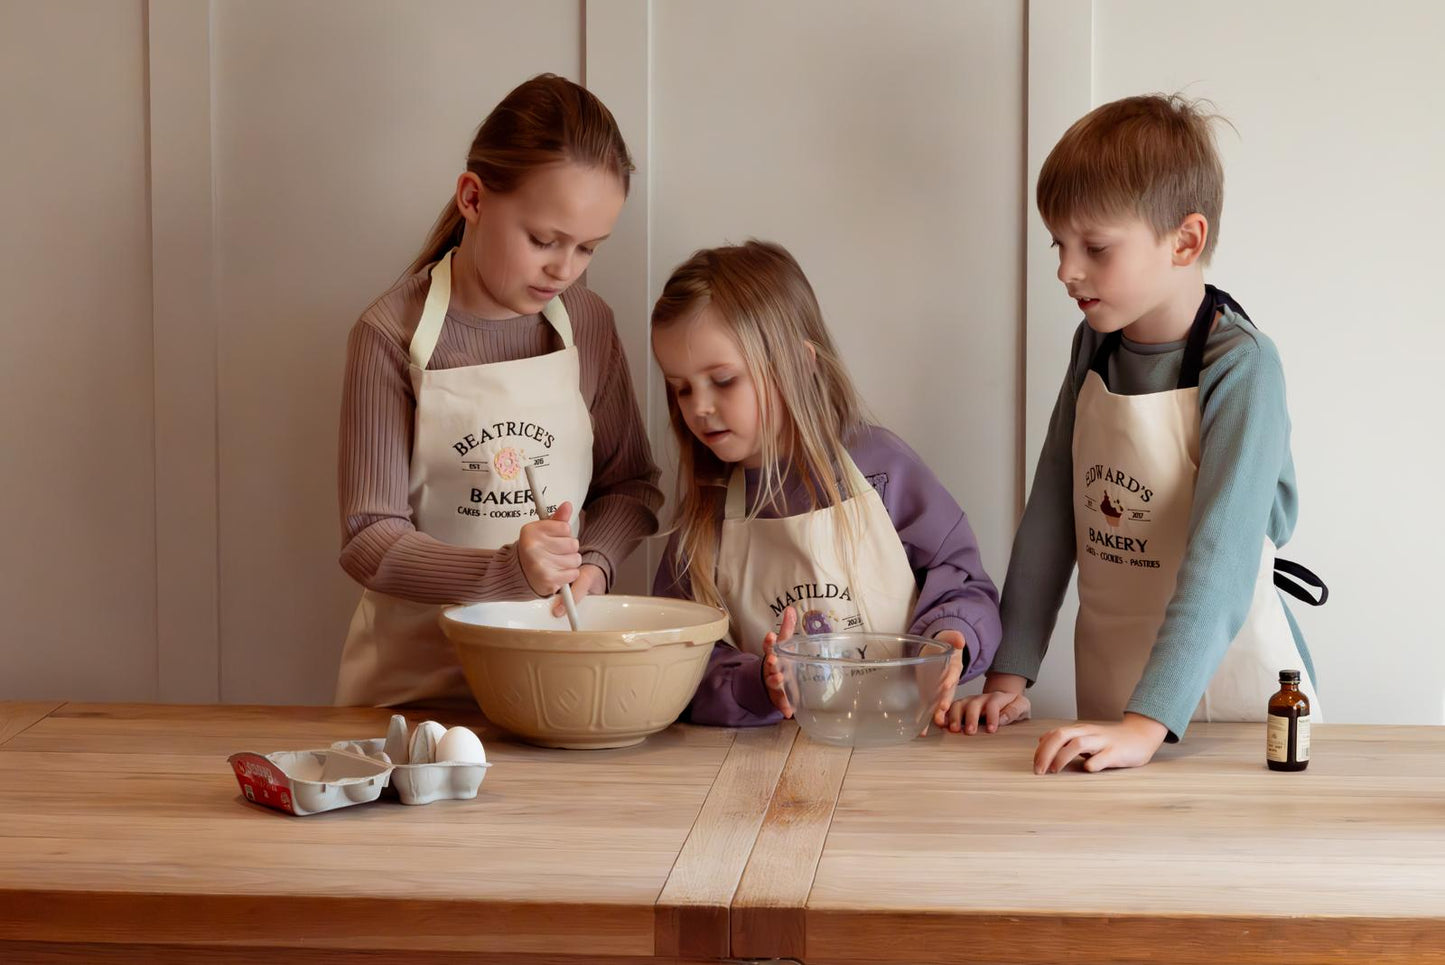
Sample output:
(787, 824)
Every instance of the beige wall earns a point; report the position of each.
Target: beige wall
(77, 563)
(340, 128)
(297, 189)
(299, 153)
(198, 206)
(882, 143)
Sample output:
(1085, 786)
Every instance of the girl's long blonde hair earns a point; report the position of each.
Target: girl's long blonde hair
(545, 120)
(807, 405)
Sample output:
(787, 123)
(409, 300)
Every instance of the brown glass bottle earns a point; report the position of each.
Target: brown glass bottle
(1287, 744)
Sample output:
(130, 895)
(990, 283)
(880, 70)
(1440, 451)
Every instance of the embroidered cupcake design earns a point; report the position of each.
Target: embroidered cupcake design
(507, 463)
(1112, 513)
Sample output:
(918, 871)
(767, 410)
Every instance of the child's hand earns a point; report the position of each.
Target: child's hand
(1001, 703)
(1129, 743)
(772, 674)
(592, 580)
(549, 554)
(943, 696)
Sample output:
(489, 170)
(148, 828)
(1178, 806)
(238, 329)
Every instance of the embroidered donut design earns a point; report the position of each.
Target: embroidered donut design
(507, 463)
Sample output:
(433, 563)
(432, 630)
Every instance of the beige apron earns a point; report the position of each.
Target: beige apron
(1136, 459)
(766, 566)
(475, 427)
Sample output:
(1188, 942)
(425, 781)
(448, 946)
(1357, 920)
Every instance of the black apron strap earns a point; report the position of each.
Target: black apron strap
(1284, 569)
(1199, 329)
(1223, 299)
(1100, 362)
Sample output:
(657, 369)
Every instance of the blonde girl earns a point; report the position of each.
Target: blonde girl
(794, 512)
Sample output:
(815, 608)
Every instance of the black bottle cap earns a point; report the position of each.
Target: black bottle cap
(1289, 676)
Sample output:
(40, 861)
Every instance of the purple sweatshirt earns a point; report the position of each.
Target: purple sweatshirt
(954, 592)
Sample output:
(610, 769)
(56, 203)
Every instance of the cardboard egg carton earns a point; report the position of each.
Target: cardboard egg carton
(358, 771)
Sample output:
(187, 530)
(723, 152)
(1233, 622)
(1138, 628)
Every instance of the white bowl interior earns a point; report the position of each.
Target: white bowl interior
(624, 614)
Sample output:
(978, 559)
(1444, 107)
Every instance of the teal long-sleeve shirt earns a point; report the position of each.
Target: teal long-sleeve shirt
(1245, 491)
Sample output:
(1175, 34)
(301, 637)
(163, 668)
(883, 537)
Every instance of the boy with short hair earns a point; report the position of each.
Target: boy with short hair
(1166, 473)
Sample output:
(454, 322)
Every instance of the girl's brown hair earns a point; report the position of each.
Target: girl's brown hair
(545, 120)
(807, 405)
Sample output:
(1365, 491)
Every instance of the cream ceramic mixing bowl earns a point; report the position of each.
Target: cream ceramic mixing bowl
(628, 672)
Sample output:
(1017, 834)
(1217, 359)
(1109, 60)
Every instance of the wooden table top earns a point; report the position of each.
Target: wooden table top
(124, 823)
(123, 836)
(1204, 855)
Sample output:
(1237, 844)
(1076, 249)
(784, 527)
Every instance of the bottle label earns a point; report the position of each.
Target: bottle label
(1276, 746)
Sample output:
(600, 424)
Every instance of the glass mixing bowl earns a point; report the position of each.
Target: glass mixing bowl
(863, 689)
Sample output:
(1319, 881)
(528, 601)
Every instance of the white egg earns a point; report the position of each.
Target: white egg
(460, 744)
(423, 749)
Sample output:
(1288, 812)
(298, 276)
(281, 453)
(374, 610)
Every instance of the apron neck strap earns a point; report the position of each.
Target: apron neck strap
(438, 299)
(737, 504)
(433, 312)
(556, 313)
(1214, 299)
(737, 501)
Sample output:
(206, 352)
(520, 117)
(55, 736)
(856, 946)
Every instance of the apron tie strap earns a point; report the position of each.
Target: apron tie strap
(1284, 569)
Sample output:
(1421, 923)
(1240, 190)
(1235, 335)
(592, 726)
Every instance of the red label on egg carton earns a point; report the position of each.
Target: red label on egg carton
(262, 782)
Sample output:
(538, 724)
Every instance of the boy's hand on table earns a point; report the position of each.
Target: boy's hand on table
(1129, 743)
